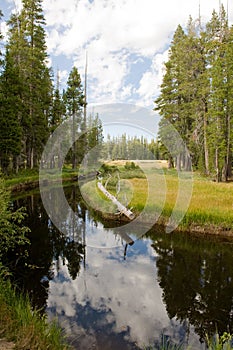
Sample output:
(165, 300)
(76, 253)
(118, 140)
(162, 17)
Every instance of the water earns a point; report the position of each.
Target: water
(109, 295)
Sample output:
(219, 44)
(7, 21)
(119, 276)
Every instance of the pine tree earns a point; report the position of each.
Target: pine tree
(229, 111)
(217, 34)
(1, 38)
(94, 139)
(74, 101)
(10, 116)
(28, 48)
(196, 95)
(175, 102)
(57, 115)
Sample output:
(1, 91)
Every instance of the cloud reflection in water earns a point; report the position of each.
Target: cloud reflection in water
(113, 300)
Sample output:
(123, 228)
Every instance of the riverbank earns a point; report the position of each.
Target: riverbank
(126, 188)
(21, 326)
(29, 179)
(24, 328)
(209, 212)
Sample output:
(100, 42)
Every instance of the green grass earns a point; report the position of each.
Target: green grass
(211, 204)
(223, 342)
(28, 177)
(217, 342)
(22, 177)
(95, 199)
(24, 326)
(210, 207)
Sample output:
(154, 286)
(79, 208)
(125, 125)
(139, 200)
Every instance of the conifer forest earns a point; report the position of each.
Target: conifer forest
(196, 96)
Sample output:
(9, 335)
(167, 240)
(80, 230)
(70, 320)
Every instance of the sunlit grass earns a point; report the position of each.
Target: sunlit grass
(95, 199)
(211, 203)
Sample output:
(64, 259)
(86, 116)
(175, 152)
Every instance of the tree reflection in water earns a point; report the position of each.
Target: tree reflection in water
(48, 245)
(196, 276)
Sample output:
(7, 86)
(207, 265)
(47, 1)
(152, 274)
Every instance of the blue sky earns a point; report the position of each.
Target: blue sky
(127, 42)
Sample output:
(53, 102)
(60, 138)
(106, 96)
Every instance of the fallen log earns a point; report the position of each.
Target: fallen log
(122, 209)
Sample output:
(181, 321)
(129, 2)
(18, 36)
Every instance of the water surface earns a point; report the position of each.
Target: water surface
(107, 294)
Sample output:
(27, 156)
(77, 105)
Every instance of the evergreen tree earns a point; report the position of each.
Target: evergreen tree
(10, 115)
(56, 117)
(28, 48)
(229, 112)
(74, 101)
(1, 38)
(94, 139)
(217, 37)
(175, 102)
(196, 95)
(58, 111)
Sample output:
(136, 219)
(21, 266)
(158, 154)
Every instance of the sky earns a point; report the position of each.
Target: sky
(126, 42)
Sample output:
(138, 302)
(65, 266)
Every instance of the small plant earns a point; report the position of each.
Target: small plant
(223, 342)
(25, 326)
(131, 166)
(107, 169)
(166, 344)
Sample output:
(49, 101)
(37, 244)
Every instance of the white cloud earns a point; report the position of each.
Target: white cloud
(115, 32)
(151, 80)
(3, 30)
(110, 31)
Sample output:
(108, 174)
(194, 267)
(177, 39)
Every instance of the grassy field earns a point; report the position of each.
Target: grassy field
(210, 208)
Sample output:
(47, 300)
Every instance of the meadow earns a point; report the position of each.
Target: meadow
(209, 210)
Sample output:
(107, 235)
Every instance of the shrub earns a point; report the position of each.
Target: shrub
(12, 230)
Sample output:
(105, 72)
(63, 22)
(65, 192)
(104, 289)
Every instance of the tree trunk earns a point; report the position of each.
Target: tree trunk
(178, 162)
(228, 159)
(206, 151)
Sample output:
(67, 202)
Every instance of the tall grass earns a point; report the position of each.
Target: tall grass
(24, 326)
(223, 342)
(217, 342)
(210, 207)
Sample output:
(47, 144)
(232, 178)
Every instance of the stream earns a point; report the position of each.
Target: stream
(107, 294)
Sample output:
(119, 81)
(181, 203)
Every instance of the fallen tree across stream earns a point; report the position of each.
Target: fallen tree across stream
(122, 209)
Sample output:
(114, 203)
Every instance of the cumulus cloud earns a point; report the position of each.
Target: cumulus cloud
(3, 30)
(114, 32)
(151, 80)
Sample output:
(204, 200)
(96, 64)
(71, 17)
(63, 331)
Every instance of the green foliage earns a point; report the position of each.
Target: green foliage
(131, 166)
(31, 107)
(12, 230)
(74, 101)
(223, 342)
(24, 326)
(27, 84)
(196, 95)
(10, 109)
(126, 147)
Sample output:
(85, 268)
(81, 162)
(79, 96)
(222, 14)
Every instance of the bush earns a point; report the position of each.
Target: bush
(12, 230)
(131, 166)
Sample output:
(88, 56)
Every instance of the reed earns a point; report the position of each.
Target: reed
(25, 327)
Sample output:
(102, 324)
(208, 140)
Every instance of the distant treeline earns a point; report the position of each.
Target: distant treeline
(130, 147)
